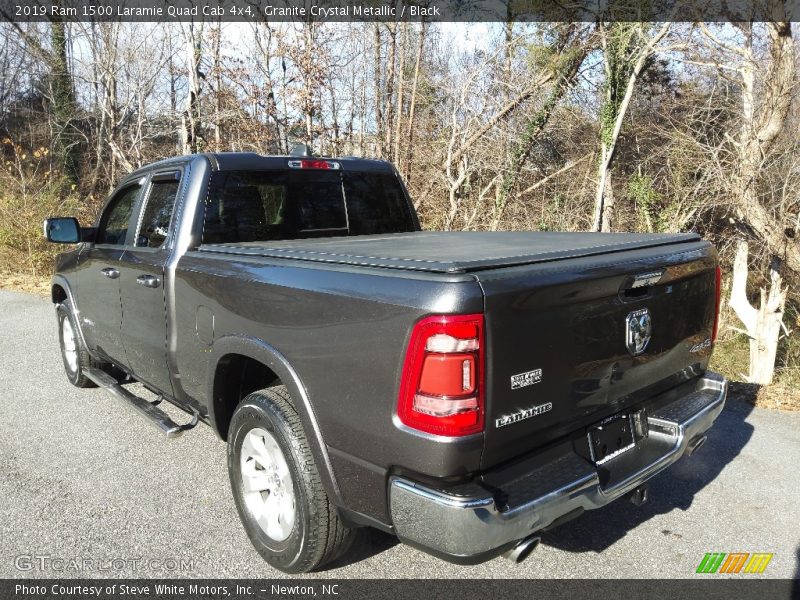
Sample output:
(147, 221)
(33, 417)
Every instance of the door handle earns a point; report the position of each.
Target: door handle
(148, 281)
(110, 272)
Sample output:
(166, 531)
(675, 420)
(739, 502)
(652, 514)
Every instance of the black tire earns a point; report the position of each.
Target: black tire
(83, 360)
(318, 535)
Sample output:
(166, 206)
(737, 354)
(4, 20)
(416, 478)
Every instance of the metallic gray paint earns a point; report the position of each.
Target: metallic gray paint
(264, 353)
(568, 319)
(336, 334)
(458, 526)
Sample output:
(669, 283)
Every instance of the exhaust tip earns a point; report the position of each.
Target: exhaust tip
(696, 444)
(522, 550)
(639, 496)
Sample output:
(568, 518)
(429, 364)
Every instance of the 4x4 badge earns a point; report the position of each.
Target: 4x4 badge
(638, 331)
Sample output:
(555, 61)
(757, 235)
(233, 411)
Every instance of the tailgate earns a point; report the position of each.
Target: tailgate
(562, 339)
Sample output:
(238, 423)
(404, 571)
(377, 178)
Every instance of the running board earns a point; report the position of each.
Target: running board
(146, 409)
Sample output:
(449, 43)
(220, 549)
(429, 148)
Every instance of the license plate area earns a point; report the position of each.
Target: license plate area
(611, 438)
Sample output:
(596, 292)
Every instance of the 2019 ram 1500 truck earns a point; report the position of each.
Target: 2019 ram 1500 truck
(461, 390)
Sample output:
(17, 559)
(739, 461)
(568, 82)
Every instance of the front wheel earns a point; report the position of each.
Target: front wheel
(277, 487)
(74, 354)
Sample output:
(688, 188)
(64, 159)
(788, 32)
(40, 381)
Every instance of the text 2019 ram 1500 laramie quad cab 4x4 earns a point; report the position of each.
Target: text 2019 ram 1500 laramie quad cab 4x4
(461, 390)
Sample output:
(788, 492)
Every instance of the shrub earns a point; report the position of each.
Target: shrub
(29, 192)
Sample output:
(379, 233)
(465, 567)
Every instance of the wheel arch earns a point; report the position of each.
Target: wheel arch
(60, 290)
(229, 354)
(58, 294)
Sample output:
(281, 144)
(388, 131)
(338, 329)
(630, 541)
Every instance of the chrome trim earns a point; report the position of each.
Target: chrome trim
(142, 407)
(463, 527)
(638, 331)
(522, 550)
(149, 281)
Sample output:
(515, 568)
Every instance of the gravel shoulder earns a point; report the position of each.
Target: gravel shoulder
(83, 478)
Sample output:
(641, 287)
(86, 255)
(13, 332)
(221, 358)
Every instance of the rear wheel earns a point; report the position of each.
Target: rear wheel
(74, 354)
(277, 487)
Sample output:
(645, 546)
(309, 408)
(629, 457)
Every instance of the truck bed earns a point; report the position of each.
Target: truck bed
(452, 252)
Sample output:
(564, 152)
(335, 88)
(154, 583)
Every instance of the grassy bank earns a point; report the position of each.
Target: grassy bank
(731, 357)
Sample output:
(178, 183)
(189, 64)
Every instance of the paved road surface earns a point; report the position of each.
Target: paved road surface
(81, 477)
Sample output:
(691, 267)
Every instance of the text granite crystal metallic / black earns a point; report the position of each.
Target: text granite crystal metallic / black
(462, 390)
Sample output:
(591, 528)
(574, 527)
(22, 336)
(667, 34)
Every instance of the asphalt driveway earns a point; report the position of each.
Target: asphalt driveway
(89, 489)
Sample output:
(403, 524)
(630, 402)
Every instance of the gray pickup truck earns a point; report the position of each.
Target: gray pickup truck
(460, 390)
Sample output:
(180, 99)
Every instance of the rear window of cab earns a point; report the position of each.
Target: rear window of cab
(253, 206)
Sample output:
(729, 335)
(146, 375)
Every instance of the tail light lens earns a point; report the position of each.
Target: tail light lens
(718, 282)
(441, 388)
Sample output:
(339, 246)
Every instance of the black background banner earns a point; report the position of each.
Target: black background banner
(399, 10)
(704, 586)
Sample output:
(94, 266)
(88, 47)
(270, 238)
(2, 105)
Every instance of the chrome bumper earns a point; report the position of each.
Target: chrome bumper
(465, 527)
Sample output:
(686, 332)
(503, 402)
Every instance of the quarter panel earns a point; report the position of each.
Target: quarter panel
(344, 332)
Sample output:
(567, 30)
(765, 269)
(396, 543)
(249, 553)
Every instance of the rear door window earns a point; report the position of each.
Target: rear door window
(113, 227)
(157, 214)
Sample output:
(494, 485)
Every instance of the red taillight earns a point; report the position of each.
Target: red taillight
(313, 164)
(441, 387)
(718, 282)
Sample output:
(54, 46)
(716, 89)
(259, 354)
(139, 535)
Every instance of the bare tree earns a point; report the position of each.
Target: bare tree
(377, 87)
(192, 116)
(65, 135)
(412, 104)
(625, 52)
(763, 324)
(766, 80)
(565, 58)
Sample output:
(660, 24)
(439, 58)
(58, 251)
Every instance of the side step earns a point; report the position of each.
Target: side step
(146, 409)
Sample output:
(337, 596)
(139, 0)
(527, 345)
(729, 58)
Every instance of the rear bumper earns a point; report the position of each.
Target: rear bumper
(469, 527)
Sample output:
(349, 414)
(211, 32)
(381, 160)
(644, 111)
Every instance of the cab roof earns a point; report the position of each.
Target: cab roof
(251, 161)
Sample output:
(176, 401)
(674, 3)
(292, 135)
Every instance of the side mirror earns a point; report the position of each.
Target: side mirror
(62, 230)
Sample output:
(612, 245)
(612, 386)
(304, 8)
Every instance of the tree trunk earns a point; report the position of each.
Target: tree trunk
(537, 123)
(504, 113)
(390, 76)
(378, 92)
(63, 102)
(218, 88)
(173, 99)
(362, 150)
(762, 325)
(105, 54)
(507, 83)
(335, 134)
(760, 128)
(401, 77)
(607, 222)
(618, 67)
(412, 106)
(309, 31)
(191, 115)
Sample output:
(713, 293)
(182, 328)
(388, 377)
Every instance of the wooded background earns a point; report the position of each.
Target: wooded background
(602, 126)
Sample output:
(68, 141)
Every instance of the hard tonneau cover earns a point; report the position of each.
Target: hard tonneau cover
(452, 252)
